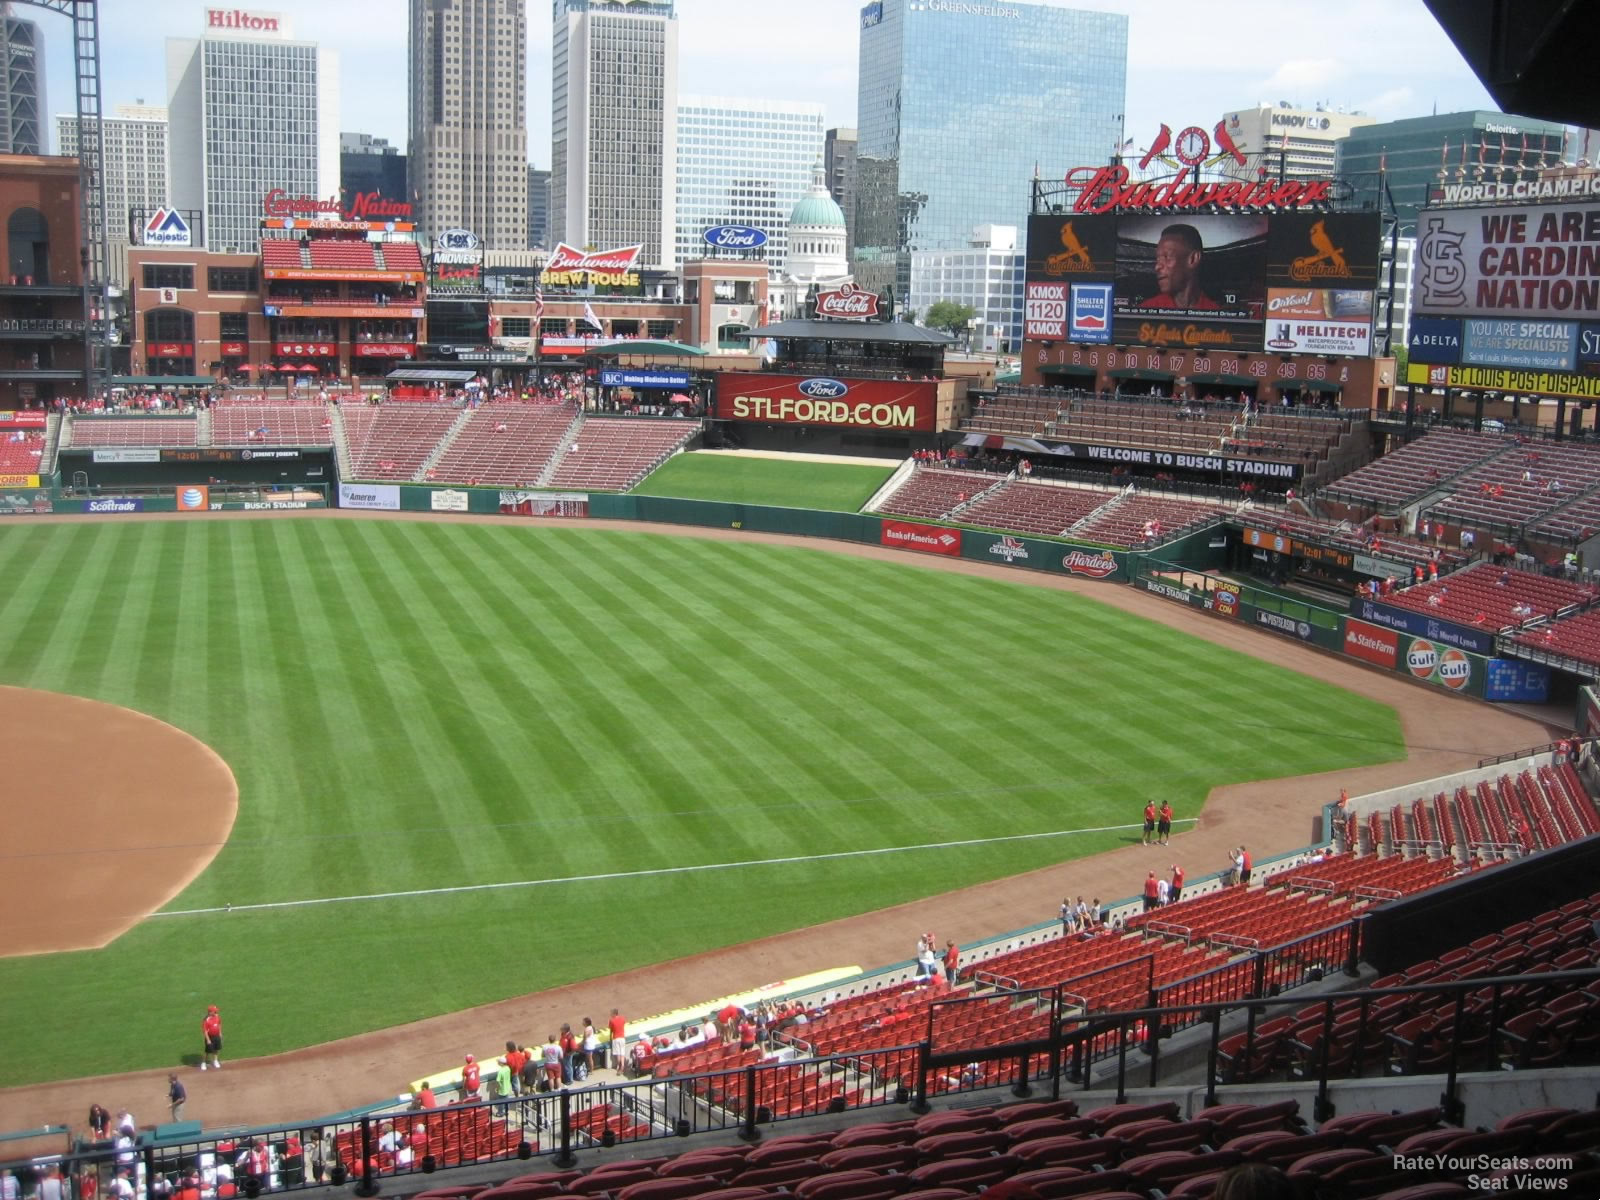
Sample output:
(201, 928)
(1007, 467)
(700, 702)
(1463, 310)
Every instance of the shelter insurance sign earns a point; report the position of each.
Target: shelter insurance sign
(1528, 262)
(817, 400)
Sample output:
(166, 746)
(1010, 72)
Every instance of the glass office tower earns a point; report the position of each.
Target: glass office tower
(959, 103)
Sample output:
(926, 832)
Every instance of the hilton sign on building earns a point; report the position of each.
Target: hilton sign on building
(247, 71)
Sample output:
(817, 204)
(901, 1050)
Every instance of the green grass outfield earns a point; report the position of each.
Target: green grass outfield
(421, 706)
(787, 483)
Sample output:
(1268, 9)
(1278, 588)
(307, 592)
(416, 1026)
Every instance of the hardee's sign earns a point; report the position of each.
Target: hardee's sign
(1105, 189)
(363, 206)
(847, 302)
(571, 267)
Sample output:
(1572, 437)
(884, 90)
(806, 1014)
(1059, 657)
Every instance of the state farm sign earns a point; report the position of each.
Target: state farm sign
(1371, 643)
(847, 302)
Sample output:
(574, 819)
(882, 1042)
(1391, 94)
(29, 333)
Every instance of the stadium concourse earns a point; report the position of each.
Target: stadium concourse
(1443, 735)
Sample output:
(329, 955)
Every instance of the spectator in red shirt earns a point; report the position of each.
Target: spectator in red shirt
(1164, 826)
(470, 1080)
(1149, 821)
(1244, 866)
(1151, 891)
(1175, 892)
(728, 1021)
(747, 1034)
(211, 1031)
(424, 1098)
(952, 962)
(515, 1059)
(619, 1031)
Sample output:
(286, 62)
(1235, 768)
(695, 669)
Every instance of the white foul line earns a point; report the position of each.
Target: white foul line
(754, 862)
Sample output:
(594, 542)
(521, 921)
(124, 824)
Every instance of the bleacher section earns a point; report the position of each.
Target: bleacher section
(1305, 437)
(1123, 522)
(393, 441)
(1411, 472)
(335, 254)
(1035, 507)
(1515, 488)
(271, 425)
(401, 256)
(504, 443)
(1575, 637)
(22, 455)
(1394, 547)
(1576, 521)
(933, 493)
(1486, 596)
(283, 254)
(134, 431)
(614, 453)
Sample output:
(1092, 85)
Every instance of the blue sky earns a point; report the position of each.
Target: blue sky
(1189, 61)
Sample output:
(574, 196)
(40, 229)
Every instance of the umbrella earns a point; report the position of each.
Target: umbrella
(308, 369)
(680, 398)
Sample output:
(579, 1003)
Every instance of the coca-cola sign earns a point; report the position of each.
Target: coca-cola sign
(847, 302)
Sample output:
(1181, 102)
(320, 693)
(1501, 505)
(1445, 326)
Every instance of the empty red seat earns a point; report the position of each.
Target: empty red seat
(968, 1174)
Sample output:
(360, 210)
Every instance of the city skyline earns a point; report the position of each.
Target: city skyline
(1262, 52)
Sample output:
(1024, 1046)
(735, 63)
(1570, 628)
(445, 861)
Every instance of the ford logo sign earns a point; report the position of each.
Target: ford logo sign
(735, 237)
(823, 389)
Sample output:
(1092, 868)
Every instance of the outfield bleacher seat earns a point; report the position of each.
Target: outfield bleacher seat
(614, 453)
(392, 441)
(505, 443)
(271, 425)
(134, 431)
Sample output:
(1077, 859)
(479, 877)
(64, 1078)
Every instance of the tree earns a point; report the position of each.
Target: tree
(948, 315)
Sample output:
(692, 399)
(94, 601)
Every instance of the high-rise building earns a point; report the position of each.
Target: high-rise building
(986, 277)
(959, 105)
(538, 209)
(133, 172)
(469, 123)
(22, 128)
(1290, 142)
(1419, 155)
(614, 125)
(743, 162)
(370, 164)
(839, 169)
(250, 111)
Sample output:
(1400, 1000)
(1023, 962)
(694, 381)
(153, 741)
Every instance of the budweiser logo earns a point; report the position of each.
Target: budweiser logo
(1096, 566)
(847, 301)
(569, 258)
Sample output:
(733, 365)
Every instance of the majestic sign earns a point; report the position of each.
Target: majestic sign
(166, 227)
(802, 400)
(1537, 261)
(734, 237)
(847, 302)
(568, 266)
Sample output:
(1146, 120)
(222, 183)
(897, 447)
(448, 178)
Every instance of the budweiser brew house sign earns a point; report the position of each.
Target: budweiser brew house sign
(847, 302)
(570, 267)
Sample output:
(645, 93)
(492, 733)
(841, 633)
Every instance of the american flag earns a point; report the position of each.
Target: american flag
(538, 300)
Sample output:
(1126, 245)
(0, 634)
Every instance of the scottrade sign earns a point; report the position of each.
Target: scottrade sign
(813, 400)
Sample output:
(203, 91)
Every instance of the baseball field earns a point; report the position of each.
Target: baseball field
(792, 482)
(475, 761)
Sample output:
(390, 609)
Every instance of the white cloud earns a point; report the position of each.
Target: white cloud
(1295, 76)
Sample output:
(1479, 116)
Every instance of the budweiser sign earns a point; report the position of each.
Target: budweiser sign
(1103, 189)
(1096, 566)
(847, 302)
(566, 259)
(363, 206)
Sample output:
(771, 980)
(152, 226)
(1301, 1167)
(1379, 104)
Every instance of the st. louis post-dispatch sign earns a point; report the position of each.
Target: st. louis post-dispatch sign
(818, 400)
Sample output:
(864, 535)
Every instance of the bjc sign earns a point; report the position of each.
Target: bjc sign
(238, 18)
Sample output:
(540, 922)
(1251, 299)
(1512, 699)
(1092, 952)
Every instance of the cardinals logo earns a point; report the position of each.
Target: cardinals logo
(1074, 256)
(1328, 261)
(1192, 148)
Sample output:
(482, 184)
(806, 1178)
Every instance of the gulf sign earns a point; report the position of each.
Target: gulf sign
(1372, 643)
(819, 400)
(1444, 665)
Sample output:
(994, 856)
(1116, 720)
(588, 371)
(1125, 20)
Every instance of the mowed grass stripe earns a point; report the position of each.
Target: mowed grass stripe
(588, 660)
(830, 487)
